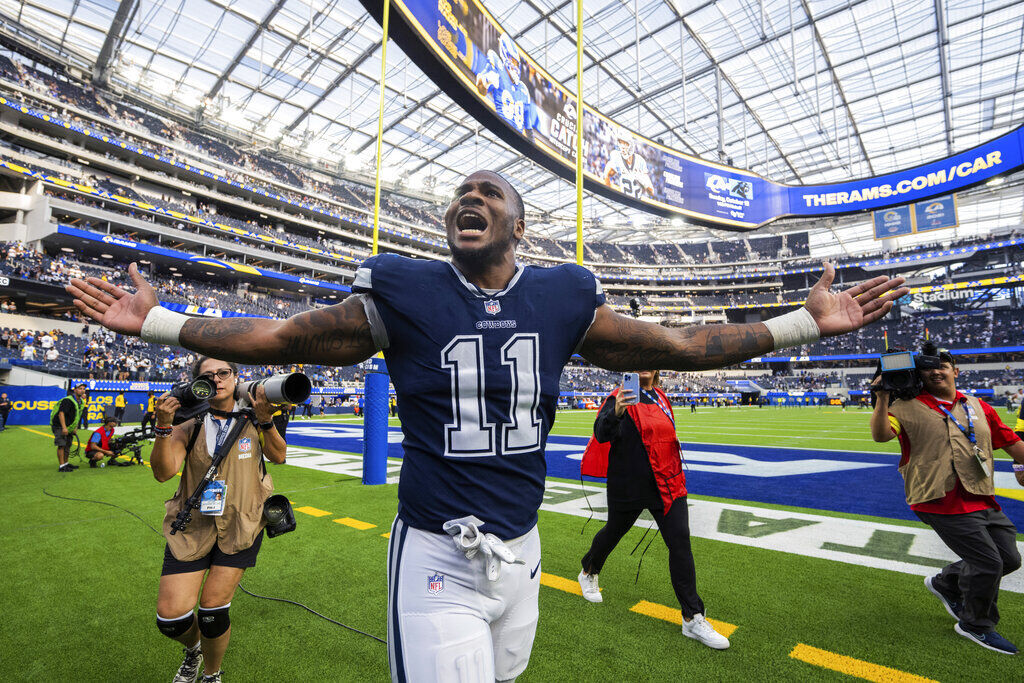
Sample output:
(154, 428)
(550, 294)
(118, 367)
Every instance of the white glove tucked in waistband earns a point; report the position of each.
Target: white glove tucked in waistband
(469, 540)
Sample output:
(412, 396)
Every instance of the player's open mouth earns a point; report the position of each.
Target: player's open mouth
(469, 222)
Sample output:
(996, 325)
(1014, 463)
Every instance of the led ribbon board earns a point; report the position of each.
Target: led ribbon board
(463, 49)
(141, 247)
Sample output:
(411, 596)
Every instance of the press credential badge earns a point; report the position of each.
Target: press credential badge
(214, 495)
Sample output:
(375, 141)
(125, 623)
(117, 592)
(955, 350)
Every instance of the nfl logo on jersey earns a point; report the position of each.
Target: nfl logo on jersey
(492, 307)
(435, 584)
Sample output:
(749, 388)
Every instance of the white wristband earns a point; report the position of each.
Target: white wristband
(162, 326)
(793, 329)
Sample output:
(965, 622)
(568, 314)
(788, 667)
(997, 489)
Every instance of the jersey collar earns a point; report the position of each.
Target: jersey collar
(481, 294)
(933, 402)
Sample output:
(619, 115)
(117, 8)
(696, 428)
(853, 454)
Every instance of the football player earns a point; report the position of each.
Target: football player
(475, 347)
(501, 81)
(626, 170)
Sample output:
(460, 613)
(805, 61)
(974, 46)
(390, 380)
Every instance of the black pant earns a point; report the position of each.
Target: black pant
(119, 412)
(987, 543)
(675, 528)
(3, 418)
(148, 417)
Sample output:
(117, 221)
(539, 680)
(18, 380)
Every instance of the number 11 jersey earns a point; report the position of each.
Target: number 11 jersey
(476, 375)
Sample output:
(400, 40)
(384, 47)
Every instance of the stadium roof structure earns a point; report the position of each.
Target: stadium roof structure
(810, 91)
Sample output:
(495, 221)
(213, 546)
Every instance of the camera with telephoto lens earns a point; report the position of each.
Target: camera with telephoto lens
(287, 387)
(901, 370)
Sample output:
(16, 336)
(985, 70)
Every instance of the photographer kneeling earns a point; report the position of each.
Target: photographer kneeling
(221, 542)
(946, 443)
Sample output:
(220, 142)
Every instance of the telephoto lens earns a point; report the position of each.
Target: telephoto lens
(287, 387)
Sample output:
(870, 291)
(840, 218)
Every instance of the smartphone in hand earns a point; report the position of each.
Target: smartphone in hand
(631, 386)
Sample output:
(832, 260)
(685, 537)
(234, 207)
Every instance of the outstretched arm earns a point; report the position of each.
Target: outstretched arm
(337, 335)
(617, 342)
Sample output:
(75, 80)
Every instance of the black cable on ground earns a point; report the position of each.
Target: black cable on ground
(240, 586)
(101, 502)
(311, 611)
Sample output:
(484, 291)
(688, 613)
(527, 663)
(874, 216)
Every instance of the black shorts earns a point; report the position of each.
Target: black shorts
(243, 559)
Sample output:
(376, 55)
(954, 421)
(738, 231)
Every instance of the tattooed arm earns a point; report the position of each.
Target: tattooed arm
(617, 342)
(338, 335)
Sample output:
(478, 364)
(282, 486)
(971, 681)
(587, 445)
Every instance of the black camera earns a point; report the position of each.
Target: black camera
(277, 511)
(131, 443)
(901, 370)
(194, 397)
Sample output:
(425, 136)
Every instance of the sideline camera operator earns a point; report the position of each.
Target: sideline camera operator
(946, 443)
(223, 541)
(99, 443)
(63, 422)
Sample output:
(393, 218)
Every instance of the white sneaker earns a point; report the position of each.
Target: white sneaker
(698, 628)
(189, 670)
(588, 582)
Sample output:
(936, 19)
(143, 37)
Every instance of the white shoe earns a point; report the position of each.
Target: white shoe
(189, 670)
(698, 628)
(588, 582)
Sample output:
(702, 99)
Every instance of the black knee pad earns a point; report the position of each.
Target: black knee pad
(175, 628)
(214, 621)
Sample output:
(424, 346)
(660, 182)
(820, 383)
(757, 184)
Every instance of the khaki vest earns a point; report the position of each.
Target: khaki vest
(247, 489)
(939, 451)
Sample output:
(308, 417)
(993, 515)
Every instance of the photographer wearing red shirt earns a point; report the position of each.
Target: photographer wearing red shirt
(946, 443)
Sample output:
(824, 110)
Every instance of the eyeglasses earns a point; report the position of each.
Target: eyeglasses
(223, 373)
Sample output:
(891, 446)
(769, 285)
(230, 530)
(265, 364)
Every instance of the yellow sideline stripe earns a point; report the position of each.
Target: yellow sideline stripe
(49, 436)
(312, 511)
(35, 431)
(674, 616)
(567, 585)
(355, 523)
(854, 667)
(386, 535)
(1017, 494)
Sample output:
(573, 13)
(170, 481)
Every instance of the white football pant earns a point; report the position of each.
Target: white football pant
(446, 621)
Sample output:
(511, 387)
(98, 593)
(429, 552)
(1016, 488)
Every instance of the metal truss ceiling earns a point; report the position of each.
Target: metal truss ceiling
(814, 90)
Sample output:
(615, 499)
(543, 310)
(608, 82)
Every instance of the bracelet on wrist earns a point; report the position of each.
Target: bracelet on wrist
(269, 424)
(1018, 467)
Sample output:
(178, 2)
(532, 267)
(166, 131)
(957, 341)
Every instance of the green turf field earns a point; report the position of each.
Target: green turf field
(80, 585)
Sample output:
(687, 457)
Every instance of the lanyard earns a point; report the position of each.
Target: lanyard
(223, 426)
(969, 432)
(654, 399)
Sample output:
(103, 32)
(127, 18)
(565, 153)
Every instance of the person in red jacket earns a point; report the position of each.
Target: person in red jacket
(636, 448)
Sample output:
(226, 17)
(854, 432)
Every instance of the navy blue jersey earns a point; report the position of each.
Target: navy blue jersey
(476, 377)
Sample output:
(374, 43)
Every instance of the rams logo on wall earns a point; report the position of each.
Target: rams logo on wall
(238, 267)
